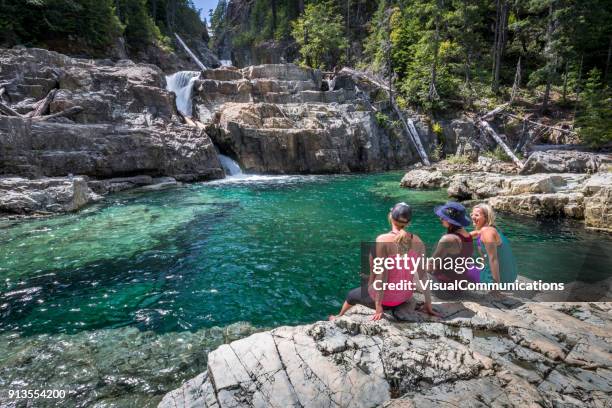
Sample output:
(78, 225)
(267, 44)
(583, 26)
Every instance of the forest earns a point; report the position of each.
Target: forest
(93, 27)
(449, 54)
(436, 54)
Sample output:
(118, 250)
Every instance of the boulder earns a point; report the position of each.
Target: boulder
(598, 210)
(47, 195)
(565, 161)
(420, 178)
(569, 205)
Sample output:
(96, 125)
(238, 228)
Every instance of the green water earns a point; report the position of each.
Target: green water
(269, 251)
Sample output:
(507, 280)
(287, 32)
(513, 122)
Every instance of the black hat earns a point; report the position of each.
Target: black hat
(401, 212)
(453, 213)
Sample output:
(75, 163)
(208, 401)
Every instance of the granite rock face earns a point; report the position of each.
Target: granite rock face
(128, 124)
(277, 118)
(506, 354)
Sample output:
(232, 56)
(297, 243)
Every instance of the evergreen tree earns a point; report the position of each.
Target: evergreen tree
(319, 33)
(595, 119)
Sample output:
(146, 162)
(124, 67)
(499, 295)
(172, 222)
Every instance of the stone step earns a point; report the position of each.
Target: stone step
(222, 74)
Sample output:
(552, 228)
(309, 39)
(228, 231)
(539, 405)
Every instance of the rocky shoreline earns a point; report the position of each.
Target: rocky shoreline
(487, 353)
(565, 184)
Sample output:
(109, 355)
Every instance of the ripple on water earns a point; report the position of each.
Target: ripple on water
(125, 367)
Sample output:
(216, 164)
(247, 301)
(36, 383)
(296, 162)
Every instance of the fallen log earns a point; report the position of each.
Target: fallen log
(43, 105)
(414, 135)
(488, 129)
(190, 53)
(66, 112)
(494, 112)
(8, 111)
(540, 124)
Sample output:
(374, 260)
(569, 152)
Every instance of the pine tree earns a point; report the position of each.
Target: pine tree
(319, 33)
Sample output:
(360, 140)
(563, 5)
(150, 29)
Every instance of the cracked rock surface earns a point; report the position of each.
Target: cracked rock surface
(500, 353)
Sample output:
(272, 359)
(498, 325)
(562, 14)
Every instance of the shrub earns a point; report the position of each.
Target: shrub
(382, 120)
(458, 159)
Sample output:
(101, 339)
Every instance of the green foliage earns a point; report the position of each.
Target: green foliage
(437, 153)
(319, 33)
(595, 119)
(382, 120)
(458, 159)
(437, 129)
(92, 23)
(498, 154)
(93, 26)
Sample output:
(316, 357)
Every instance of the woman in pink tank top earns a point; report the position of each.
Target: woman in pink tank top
(391, 287)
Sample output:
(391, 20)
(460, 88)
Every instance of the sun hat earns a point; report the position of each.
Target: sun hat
(453, 213)
(401, 212)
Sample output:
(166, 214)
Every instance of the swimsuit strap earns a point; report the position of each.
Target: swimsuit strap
(464, 239)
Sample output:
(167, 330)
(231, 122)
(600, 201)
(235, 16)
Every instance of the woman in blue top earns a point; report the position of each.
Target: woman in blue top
(500, 265)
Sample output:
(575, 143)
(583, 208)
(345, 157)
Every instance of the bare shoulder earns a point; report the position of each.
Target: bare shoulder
(388, 237)
(489, 234)
(449, 238)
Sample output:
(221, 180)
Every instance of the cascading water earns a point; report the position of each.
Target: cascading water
(230, 166)
(181, 83)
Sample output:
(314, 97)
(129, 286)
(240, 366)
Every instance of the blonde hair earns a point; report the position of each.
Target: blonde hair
(488, 212)
(403, 239)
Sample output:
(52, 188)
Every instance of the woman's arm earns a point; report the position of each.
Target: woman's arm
(381, 252)
(448, 245)
(490, 238)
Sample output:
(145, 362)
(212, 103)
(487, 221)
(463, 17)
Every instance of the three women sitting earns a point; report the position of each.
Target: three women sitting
(492, 245)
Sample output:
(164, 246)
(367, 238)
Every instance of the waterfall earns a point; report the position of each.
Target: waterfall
(181, 83)
(230, 166)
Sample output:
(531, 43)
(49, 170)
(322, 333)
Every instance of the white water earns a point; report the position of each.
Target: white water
(226, 63)
(230, 166)
(264, 179)
(181, 83)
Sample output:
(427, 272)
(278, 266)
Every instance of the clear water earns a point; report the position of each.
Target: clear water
(178, 263)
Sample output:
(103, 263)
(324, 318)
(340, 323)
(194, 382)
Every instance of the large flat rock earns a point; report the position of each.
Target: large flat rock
(479, 354)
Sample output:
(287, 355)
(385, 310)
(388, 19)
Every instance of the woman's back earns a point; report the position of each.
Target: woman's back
(387, 246)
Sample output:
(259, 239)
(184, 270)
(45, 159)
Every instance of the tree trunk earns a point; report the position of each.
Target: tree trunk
(517, 80)
(577, 88)
(43, 105)
(487, 128)
(501, 24)
(301, 6)
(66, 112)
(154, 10)
(8, 111)
(433, 92)
(550, 59)
(565, 82)
(608, 60)
(348, 30)
(190, 53)
(273, 6)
